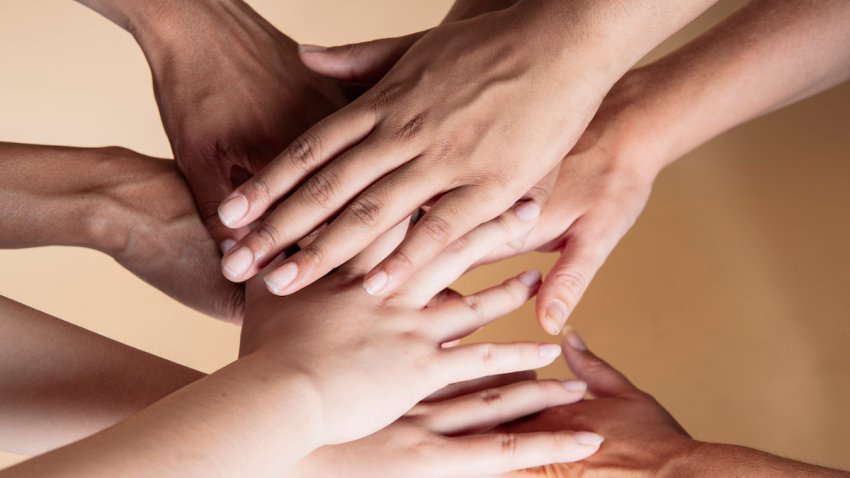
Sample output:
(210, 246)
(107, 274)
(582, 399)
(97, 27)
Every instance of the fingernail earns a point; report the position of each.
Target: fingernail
(306, 48)
(576, 342)
(556, 317)
(226, 245)
(278, 279)
(574, 385)
(549, 351)
(237, 263)
(527, 211)
(233, 210)
(375, 283)
(589, 438)
(529, 278)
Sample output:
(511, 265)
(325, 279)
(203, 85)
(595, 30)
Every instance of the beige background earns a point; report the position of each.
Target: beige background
(729, 299)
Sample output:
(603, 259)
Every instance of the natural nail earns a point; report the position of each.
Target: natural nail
(528, 211)
(575, 385)
(556, 317)
(589, 438)
(576, 342)
(530, 278)
(226, 245)
(376, 282)
(238, 263)
(306, 48)
(232, 210)
(278, 279)
(550, 351)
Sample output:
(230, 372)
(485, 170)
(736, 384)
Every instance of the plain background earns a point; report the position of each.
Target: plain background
(728, 300)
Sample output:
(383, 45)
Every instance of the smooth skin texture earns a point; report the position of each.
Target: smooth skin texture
(132, 207)
(644, 440)
(387, 356)
(230, 88)
(466, 119)
(768, 55)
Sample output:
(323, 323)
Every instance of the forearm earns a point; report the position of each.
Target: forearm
(60, 383)
(768, 55)
(59, 196)
(710, 460)
(463, 9)
(247, 419)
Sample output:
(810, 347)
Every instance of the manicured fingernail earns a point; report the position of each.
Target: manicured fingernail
(575, 385)
(556, 317)
(238, 263)
(527, 211)
(376, 282)
(576, 342)
(529, 278)
(589, 438)
(306, 48)
(278, 279)
(226, 245)
(549, 351)
(233, 210)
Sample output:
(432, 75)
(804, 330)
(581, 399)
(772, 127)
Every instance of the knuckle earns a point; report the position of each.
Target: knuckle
(258, 189)
(487, 354)
(267, 236)
(572, 284)
(313, 254)
(306, 151)
(365, 211)
(473, 303)
(322, 187)
(459, 245)
(508, 443)
(384, 96)
(491, 397)
(436, 228)
(403, 260)
(412, 127)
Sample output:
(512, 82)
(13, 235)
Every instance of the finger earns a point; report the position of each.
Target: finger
(445, 295)
(459, 318)
(366, 218)
(603, 380)
(380, 248)
(364, 62)
(585, 250)
(485, 410)
(498, 453)
(441, 271)
(452, 216)
(317, 200)
(468, 362)
(310, 151)
(479, 384)
(208, 190)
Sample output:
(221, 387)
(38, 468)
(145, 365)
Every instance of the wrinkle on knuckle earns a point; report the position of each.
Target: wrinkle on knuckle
(365, 211)
(572, 284)
(436, 228)
(267, 235)
(473, 303)
(384, 96)
(508, 443)
(313, 254)
(322, 187)
(412, 127)
(258, 189)
(306, 151)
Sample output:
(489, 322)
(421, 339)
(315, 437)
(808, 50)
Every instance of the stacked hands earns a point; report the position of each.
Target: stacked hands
(344, 189)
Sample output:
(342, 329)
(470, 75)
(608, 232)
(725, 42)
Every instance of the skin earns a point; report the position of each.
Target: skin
(135, 208)
(427, 133)
(230, 88)
(643, 438)
(387, 357)
(766, 56)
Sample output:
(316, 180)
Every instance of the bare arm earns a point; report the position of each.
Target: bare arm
(60, 383)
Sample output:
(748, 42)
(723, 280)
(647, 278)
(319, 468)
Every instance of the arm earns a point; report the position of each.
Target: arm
(60, 383)
(132, 207)
(467, 116)
(643, 439)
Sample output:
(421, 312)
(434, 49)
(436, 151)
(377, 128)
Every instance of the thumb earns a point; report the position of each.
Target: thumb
(209, 191)
(602, 380)
(364, 62)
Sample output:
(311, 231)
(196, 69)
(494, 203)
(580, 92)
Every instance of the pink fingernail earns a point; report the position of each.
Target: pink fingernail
(375, 283)
(574, 385)
(576, 342)
(530, 278)
(556, 317)
(278, 279)
(549, 351)
(589, 438)
(232, 210)
(236, 264)
(227, 245)
(527, 211)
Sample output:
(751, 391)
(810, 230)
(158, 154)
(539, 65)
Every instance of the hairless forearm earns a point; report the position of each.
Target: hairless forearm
(768, 55)
(710, 460)
(60, 383)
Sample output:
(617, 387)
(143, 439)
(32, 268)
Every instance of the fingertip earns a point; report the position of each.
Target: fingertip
(527, 210)
(279, 281)
(573, 340)
(530, 278)
(306, 48)
(376, 283)
(589, 438)
(232, 210)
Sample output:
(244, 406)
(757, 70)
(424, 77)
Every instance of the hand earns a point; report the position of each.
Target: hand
(452, 437)
(408, 140)
(163, 241)
(642, 439)
(232, 93)
(381, 356)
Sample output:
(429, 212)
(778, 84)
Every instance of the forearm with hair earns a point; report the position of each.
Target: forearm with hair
(60, 383)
